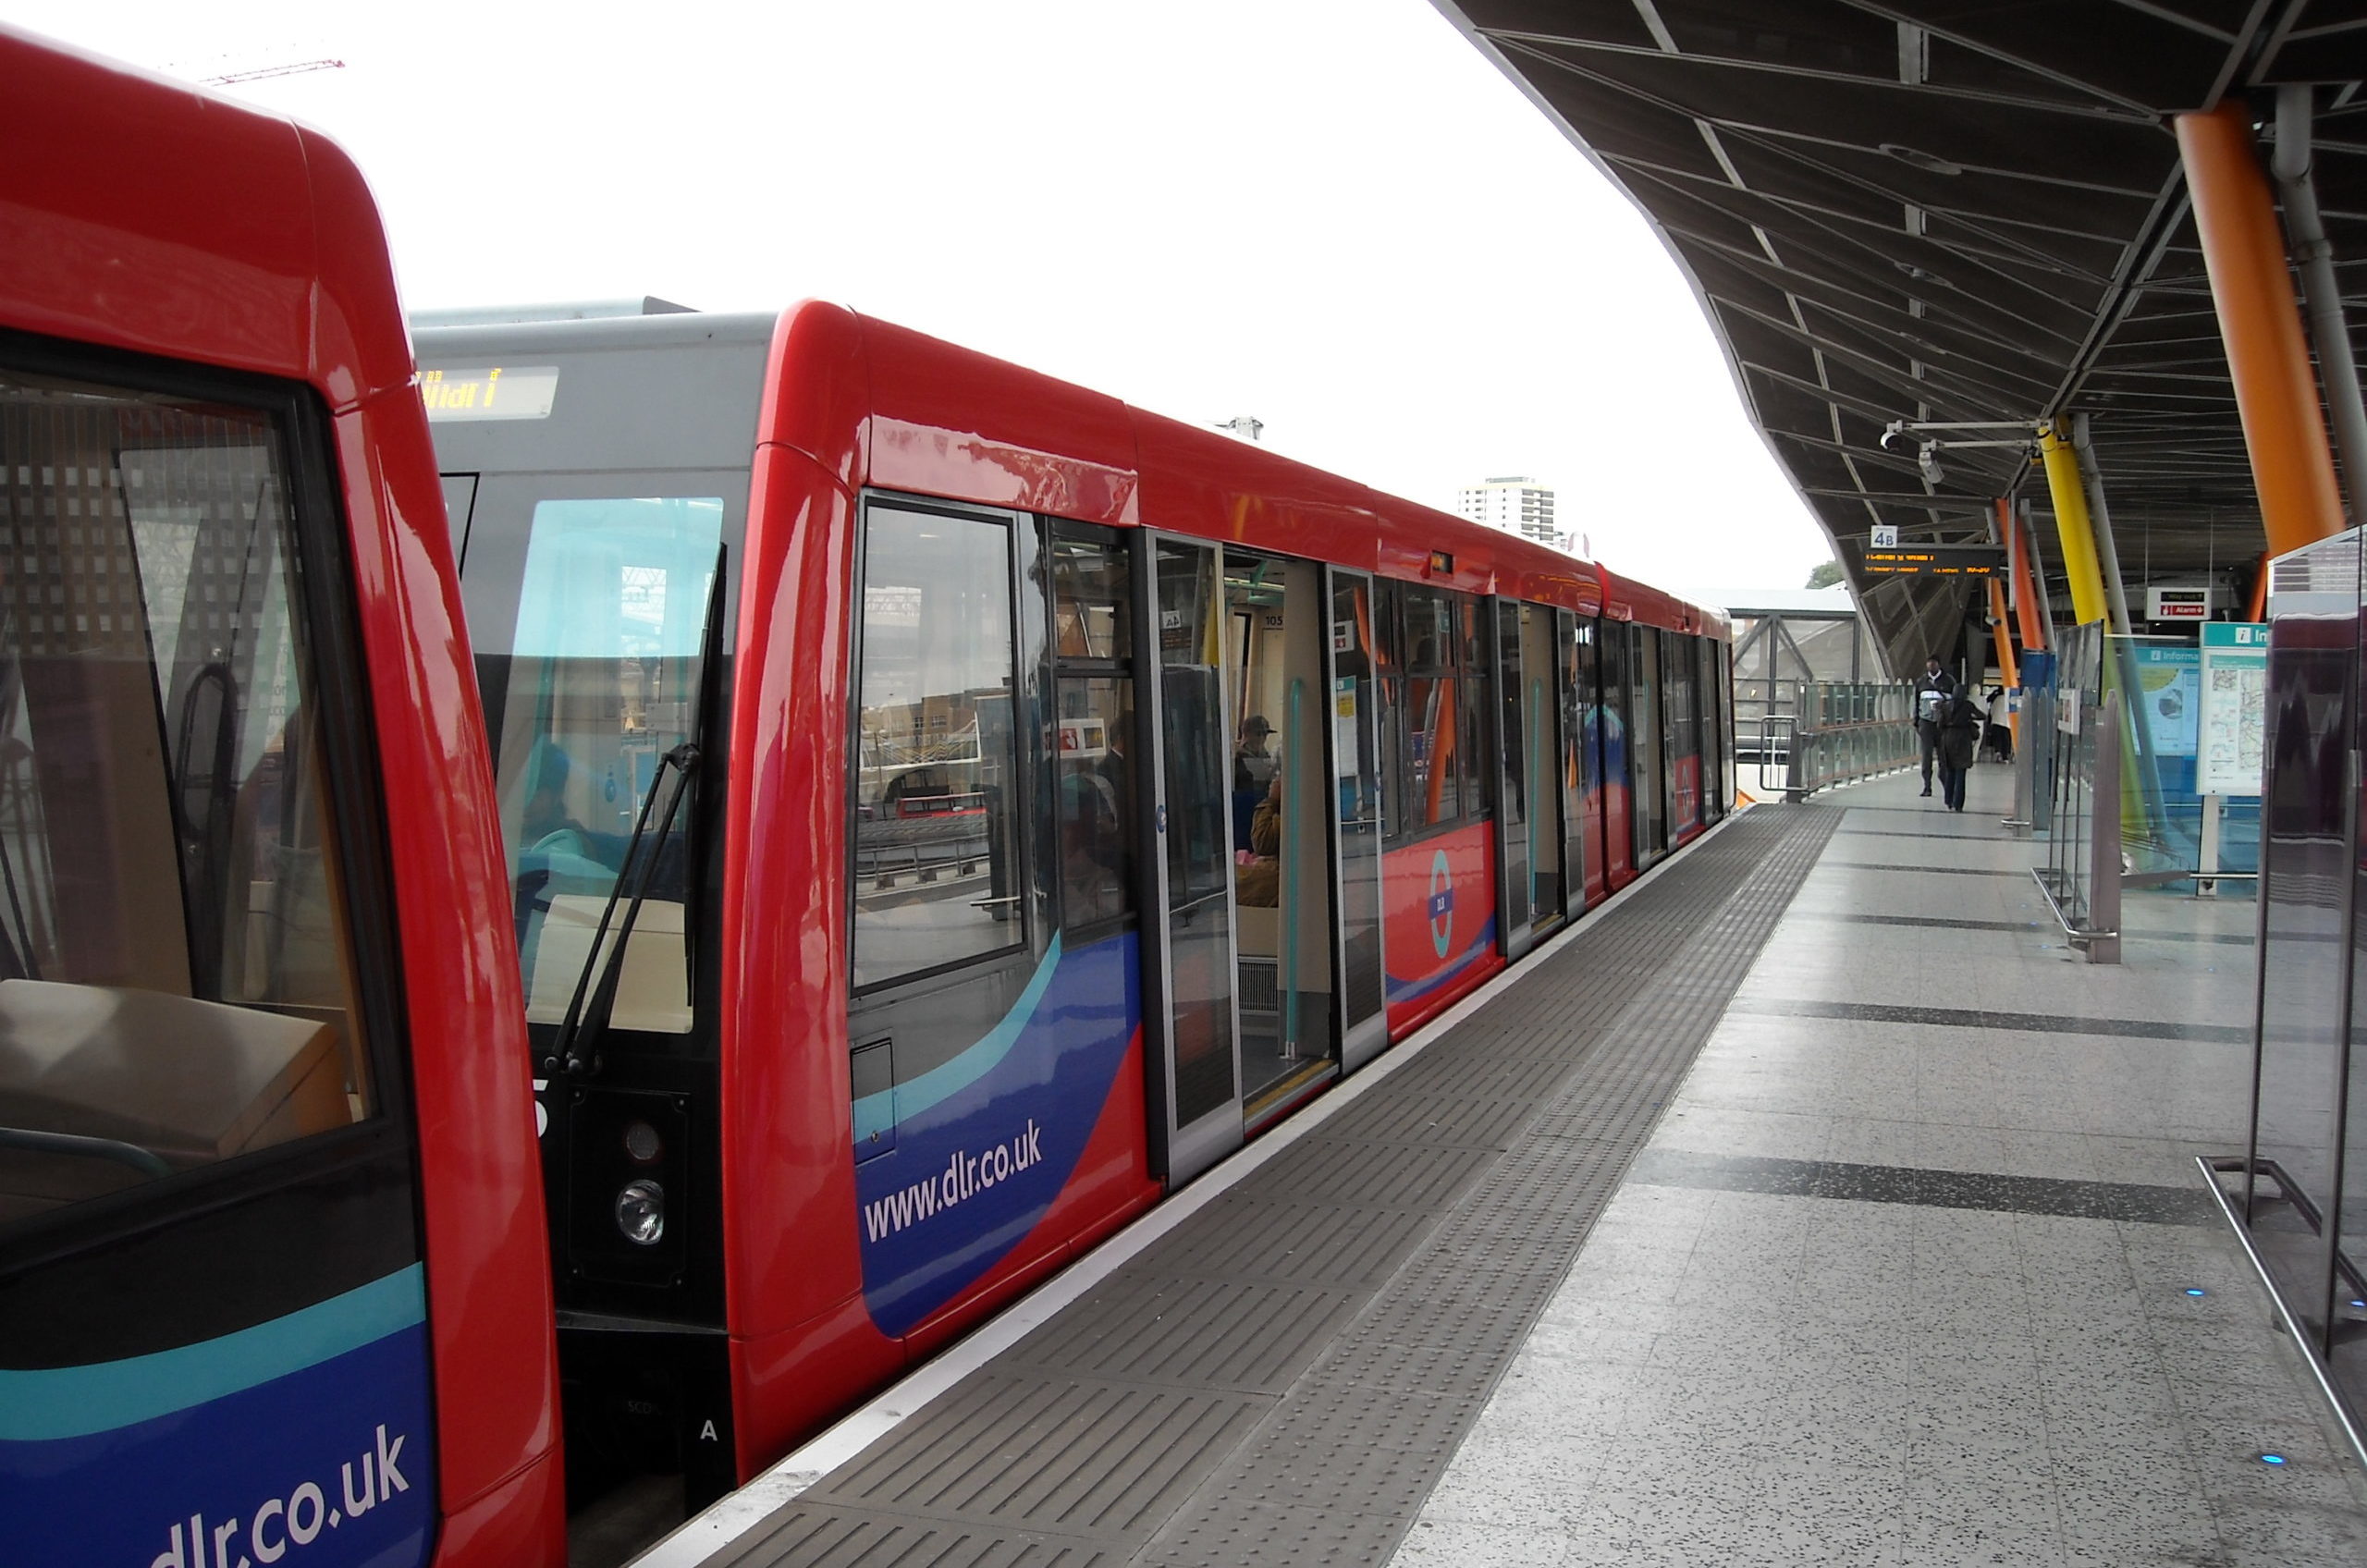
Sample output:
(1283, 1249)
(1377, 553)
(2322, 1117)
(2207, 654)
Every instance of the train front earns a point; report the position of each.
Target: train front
(597, 474)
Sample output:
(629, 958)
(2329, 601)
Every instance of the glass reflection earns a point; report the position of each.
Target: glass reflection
(934, 833)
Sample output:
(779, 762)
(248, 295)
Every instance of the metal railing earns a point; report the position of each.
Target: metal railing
(1808, 735)
(2084, 867)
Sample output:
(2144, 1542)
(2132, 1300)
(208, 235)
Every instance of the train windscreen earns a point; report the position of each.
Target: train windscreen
(603, 685)
(604, 471)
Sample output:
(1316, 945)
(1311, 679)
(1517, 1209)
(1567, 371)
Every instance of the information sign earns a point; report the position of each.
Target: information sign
(2170, 677)
(1885, 536)
(1933, 560)
(2233, 708)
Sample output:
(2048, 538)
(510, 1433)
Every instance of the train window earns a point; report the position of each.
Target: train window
(1089, 597)
(1471, 753)
(176, 977)
(937, 877)
(1097, 799)
(613, 607)
(1432, 638)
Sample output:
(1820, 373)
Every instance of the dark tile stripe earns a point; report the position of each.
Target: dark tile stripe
(1930, 921)
(2138, 1201)
(2128, 933)
(1929, 870)
(1899, 833)
(1975, 1018)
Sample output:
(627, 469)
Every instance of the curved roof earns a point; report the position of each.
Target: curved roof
(1944, 210)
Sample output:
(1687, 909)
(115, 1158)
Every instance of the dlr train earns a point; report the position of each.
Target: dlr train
(804, 831)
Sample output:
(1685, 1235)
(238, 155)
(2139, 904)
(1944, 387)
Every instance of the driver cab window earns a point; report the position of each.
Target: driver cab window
(176, 972)
(604, 682)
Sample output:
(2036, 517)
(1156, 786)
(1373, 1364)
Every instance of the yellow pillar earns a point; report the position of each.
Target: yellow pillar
(2276, 390)
(2072, 526)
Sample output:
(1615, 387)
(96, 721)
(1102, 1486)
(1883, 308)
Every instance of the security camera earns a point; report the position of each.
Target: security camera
(1927, 460)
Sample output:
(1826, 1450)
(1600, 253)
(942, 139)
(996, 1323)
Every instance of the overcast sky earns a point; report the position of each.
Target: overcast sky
(1334, 216)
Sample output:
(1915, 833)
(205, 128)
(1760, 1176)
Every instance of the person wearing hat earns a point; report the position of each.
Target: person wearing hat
(1253, 765)
(1253, 771)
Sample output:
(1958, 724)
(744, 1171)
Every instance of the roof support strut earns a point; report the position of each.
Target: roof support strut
(2275, 393)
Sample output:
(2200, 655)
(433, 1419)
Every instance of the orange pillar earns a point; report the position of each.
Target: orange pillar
(2006, 670)
(2276, 391)
(2026, 608)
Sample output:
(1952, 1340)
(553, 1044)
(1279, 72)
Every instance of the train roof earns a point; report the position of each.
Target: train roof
(133, 207)
(905, 411)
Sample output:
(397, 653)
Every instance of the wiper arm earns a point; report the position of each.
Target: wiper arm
(577, 1053)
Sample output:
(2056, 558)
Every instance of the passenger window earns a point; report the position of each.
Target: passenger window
(176, 968)
(604, 683)
(1089, 599)
(936, 874)
(1097, 801)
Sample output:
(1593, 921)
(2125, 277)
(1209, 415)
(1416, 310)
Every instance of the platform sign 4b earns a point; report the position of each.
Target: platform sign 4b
(1885, 536)
(2233, 708)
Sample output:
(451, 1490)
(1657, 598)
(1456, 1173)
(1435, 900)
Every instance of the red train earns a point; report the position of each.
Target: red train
(271, 1276)
(933, 811)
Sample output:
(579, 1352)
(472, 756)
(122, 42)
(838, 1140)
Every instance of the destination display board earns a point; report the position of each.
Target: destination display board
(2234, 703)
(1933, 560)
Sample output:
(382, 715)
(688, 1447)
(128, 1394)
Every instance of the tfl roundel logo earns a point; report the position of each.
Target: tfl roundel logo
(1442, 904)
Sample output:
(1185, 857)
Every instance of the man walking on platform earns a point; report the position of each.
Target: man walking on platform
(1931, 701)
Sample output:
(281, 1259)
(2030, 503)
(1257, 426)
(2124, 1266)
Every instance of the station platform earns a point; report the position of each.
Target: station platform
(1813, 1202)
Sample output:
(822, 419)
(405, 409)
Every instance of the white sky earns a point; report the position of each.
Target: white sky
(1334, 216)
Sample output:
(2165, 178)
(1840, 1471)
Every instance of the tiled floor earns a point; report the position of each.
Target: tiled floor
(1910, 1285)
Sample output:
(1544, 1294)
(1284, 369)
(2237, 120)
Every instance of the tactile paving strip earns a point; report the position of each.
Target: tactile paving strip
(1284, 1378)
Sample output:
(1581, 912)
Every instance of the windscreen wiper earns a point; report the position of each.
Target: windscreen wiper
(576, 1053)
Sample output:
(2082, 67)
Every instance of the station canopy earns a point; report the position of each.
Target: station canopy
(1953, 212)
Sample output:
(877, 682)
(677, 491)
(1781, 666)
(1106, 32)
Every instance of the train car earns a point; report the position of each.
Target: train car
(273, 1280)
(947, 808)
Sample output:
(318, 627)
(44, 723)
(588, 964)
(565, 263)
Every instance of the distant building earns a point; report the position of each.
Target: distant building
(1517, 505)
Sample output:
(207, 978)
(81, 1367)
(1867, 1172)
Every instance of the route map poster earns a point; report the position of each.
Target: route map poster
(2234, 708)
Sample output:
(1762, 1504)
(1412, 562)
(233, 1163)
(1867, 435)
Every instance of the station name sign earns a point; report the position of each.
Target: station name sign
(1933, 560)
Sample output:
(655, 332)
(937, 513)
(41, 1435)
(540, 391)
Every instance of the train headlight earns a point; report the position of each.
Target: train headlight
(641, 1212)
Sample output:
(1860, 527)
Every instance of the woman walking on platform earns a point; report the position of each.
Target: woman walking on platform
(1960, 739)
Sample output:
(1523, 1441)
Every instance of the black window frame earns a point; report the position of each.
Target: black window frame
(324, 592)
(1063, 668)
(1023, 830)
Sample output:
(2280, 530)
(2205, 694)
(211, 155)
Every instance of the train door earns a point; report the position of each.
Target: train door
(1356, 820)
(1648, 772)
(1579, 763)
(1614, 643)
(1191, 1027)
(1717, 787)
(1277, 622)
(1528, 806)
(212, 1289)
(961, 979)
(1681, 735)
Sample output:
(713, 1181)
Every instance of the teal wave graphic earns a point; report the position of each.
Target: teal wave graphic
(75, 1402)
(877, 1113)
